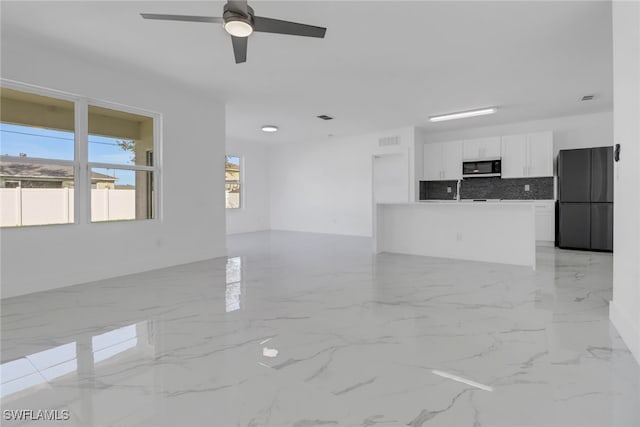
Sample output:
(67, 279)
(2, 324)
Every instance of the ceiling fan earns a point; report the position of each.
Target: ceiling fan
(239, 21)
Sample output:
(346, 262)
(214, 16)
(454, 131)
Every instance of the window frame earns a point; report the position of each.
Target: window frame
(80, 163)
(240, 182)
(156, 150)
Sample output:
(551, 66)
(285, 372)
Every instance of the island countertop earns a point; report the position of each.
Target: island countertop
(471, 202)
(491, 231)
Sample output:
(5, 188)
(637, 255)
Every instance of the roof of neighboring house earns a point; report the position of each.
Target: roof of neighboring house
(33, 170)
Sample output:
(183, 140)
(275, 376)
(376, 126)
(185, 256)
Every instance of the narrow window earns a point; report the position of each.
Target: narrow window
(233, 182)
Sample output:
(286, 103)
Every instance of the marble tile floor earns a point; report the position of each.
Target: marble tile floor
(297, 329)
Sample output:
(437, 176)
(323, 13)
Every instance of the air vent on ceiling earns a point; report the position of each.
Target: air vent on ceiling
(325, 117)
(588, 97)
(388, 140)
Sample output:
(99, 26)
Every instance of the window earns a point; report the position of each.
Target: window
(233, 182)
(37, 163)
(121, 165)
(49, 171)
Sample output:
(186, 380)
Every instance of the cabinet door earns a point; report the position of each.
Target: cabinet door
(433, 162)
(514, 158)
(545, 222)
(471, 149)
(491, 148)
(540, 154)
(482, 148)
(452, 159)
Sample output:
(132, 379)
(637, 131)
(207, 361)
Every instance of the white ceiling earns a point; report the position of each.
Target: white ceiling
(382, 65)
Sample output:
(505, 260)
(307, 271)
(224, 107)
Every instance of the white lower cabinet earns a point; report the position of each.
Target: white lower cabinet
(545, 222)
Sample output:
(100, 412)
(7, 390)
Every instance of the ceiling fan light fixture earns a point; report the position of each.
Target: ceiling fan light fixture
(269, 128)
(238, 27)
(239, 21)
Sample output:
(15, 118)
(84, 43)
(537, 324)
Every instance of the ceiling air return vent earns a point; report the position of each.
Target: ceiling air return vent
(389, 140)
(588, 97)
(325, 117)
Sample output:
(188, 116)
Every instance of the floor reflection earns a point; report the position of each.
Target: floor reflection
(234, 284)
(36, 370)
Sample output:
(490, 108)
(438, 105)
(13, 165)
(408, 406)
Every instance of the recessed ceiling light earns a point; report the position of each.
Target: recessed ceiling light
(463, 114)
(269, 128)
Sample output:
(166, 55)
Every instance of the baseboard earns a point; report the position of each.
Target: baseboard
(628, 330)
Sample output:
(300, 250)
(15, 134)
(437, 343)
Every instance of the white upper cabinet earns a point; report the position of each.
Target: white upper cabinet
(481, 148)
(527, 155)
(514, 156)
(442, 161)
(540, 154)
(452, 160)
(432, 162)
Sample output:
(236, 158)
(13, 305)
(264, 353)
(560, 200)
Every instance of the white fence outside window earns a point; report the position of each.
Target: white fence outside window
(36, 206)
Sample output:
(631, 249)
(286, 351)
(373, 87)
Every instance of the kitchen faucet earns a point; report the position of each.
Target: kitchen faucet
(457, 196)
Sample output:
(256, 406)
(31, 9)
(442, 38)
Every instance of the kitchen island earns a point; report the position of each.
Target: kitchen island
(499, 232)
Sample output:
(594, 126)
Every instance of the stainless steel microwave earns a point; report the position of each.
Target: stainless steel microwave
(482, 168)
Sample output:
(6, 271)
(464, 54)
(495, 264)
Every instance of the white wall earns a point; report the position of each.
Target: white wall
(588, 130)
(326, 187)
(625, 307)
(390, 183)
(193, 216)
(254, 215)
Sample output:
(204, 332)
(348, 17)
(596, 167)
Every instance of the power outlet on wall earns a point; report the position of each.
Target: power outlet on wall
(527, 187)
(448, 189)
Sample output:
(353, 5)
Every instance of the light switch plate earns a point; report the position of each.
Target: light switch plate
(448, 189)
(527, 187)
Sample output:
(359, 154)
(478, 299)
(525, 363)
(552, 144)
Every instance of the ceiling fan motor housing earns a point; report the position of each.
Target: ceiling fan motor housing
(232, 15)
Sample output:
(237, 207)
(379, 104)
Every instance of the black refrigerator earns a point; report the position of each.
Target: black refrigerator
(585, 199)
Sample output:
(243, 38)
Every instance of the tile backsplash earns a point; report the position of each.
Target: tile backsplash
(437, 190)
(490, 188)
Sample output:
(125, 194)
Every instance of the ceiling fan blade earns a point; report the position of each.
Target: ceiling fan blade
(240, 48)
(269, 25)
(238, 6)
(184, 18)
